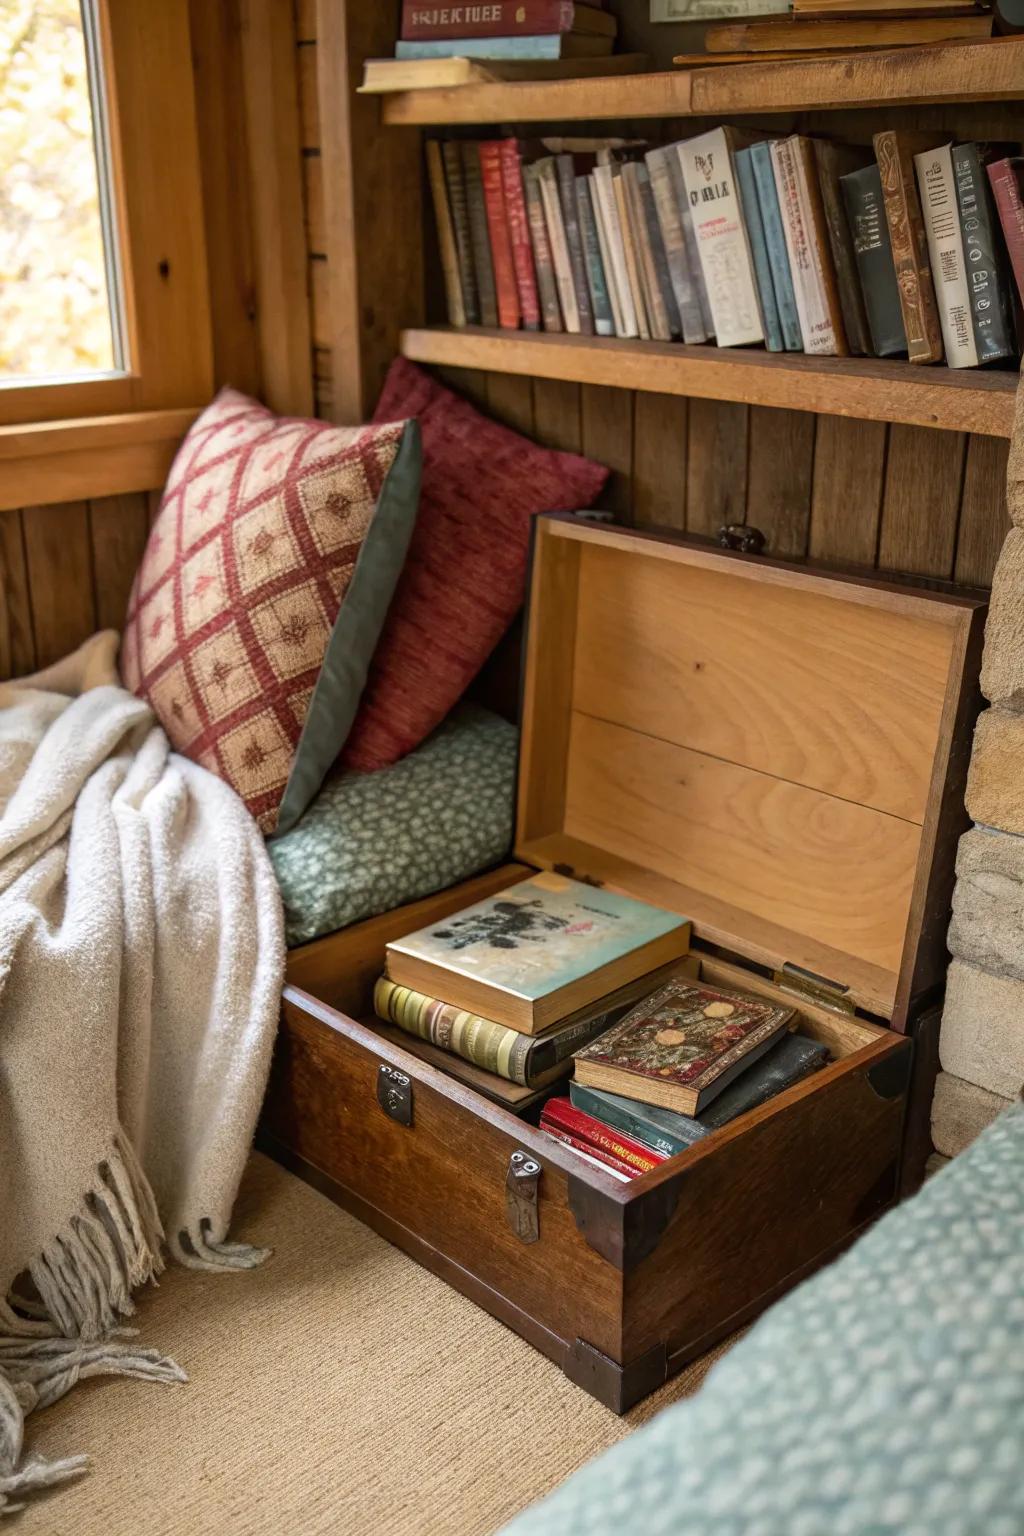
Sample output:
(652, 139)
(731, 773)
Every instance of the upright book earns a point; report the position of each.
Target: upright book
(1006, 178)
(988, 277)
(894, 151)
(479, 236)
(775, 240)
(939, 204)
(751, 209)
(544, 265)
(455, 181)
(445, 236)
(721, 236)
(681, 1046)
(546, 175)
(505, 284)
(519, 234)
(535, 953)
(862, 193)
(807, 246)
(834, 161)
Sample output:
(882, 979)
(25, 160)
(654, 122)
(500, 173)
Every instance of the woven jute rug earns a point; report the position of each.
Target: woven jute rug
(339, 1389)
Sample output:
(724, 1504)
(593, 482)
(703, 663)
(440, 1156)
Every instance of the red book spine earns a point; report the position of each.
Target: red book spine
(519, 234)
(422, 21)
(501, 241)
(584, 1146)
(633, 1154)
(1007, 178)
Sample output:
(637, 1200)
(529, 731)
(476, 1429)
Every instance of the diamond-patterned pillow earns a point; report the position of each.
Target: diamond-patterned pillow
(278, 543)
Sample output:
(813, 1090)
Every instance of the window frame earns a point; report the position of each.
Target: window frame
(156, 190)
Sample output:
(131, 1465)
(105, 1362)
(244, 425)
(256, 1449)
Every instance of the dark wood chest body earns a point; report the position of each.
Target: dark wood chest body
(780, 756)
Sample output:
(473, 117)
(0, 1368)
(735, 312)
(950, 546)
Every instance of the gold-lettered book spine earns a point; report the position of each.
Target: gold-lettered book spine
(491, 1046)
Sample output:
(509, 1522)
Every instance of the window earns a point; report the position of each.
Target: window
(104, 308)
(60, 308)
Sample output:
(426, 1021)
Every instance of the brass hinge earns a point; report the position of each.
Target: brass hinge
(814, 988)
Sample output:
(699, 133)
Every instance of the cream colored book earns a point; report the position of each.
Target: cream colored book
(534, 953)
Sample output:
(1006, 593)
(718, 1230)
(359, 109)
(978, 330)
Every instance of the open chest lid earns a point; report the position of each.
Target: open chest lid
(775, 752)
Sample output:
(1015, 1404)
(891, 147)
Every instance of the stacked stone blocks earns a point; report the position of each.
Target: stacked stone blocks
(981, 1046)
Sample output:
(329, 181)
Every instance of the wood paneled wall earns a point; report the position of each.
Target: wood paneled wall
(66, 571)
(903, 499)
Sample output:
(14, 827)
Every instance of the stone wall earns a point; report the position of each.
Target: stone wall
(981, 1047)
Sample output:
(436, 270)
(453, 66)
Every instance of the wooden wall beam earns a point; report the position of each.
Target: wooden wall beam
(372, 209)
(53, 462)
(275, 186)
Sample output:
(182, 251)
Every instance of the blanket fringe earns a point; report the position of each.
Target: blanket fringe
(194, 1248)
(33, 1374)
(86, 1274)
(84, 1278)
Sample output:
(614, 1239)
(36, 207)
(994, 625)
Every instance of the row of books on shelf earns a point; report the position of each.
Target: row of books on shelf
(911, 248)
(552, 982)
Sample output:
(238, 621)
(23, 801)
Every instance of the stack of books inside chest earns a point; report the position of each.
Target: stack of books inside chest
(905, 246)
(555, 980)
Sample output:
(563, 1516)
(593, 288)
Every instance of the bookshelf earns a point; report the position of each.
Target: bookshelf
(903, 77)
(860, 462)
(967, 400)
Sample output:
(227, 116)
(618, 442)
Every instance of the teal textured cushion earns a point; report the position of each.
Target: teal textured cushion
(885, 1397)
(373, 841)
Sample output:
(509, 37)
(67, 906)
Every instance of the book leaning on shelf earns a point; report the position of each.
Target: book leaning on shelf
(900, 248)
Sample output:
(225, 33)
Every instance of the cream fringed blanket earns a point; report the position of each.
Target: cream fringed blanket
(141, 960)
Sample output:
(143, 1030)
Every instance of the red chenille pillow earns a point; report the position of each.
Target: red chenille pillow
(465, 573)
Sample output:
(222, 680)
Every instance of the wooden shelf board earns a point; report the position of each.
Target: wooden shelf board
(992, 70)
(867, 388)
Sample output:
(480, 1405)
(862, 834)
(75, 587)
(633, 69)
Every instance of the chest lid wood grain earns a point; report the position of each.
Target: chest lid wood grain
(776, 752)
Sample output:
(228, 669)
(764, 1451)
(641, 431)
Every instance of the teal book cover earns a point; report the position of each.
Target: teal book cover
(775, 243)
(540, 47)
(539, 936)
(758, 249)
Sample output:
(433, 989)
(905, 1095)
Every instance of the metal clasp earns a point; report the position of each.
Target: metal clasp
(394, 1094)
(521, 1182)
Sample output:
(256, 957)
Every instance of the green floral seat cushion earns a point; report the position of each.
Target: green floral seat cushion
(373, 841)
(885, 1397)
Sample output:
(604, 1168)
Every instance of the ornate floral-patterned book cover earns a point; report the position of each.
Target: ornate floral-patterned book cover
(683, 1043)
(539, 936)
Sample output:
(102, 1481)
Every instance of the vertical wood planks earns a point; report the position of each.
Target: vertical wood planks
(923, 481)
(230, 261)
(372, 182)
(17, 646)
(779, 475)
(510, 400)
(659, 460)
(607, 435)
(118, 529)
(984, 519)
(275, 182)
(846, 496)
(558, 415)
(57, 557)
(716, 478)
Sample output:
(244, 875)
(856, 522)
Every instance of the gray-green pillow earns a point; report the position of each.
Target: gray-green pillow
(374, 841)
(353, 641)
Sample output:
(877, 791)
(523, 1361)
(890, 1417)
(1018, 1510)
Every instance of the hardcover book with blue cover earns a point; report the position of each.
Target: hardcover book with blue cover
(535, 952)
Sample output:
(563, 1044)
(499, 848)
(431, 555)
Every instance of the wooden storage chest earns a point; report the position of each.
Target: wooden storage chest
(775, 752)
